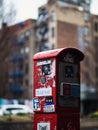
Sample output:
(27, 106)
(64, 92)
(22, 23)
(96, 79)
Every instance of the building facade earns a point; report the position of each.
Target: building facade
(90, 95)
(18, 70)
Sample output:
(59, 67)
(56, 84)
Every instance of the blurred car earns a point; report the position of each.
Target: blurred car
(15, 109)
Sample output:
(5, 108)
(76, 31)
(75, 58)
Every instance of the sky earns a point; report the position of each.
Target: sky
(94, 7)
(29, 8)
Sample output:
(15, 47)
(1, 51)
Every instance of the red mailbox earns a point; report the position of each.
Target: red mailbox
(56, 99)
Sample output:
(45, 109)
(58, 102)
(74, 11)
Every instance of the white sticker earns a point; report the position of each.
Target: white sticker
(49, 108)
(43, 126)
(44, 92)
(44, 62)
(36, 105)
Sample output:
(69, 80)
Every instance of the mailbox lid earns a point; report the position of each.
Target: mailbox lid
(54, 53)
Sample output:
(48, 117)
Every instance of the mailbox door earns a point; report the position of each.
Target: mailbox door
(45, 122)
(69, 122)
(68, 83)
(44, 85)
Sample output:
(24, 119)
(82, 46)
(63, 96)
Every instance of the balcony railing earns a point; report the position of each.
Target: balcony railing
(16, 89)
(42, 33)
(20, 41)
(17, 58)
(16, 74)
(44, 46)
(43, 17)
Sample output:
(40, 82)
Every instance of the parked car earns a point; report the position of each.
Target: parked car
(15, 109)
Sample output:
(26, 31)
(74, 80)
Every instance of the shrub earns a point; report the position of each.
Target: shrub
(94, 114)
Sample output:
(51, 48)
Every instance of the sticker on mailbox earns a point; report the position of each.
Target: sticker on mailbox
(36, 105)
(49, 105)
(43, 92)
(43, 126)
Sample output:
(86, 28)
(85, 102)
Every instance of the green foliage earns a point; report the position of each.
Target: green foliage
(94, 114)
(22, 114)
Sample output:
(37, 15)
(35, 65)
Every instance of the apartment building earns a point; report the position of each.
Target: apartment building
(69, 23)
(64, 24)
(17, 63)
(94, 50)
(91, 71)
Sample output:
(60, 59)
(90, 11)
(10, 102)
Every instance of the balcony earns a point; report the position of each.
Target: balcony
(43, 17)
(42, 33)
(43, 12)
(20, 41)
(46, 36)
(15, 89)
(22, 24)
(77, 2)
(17, 58)
(44, 46)
(43, 30)
(16, 74)
(62, 3)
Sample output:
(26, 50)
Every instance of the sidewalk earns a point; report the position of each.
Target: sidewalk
(88, 122)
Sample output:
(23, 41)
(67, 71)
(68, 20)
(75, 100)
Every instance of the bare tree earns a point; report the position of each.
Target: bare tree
(7, 12)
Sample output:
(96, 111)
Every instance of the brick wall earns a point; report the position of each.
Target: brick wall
(67, 35)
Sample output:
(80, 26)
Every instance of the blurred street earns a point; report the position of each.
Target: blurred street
(85, 125)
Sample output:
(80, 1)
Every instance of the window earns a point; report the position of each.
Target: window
(21, 40)
(26, 68)
(87, 9)
(87, 78)
(53, 15)
(21, 65)
(53, 46)
(96, 71)
(26, 82)
(96, 48)
(53, 32)
(27, 34)
(62, 3)
(96, 42)
(86, 43)
(75, 1)
(87, 63)
(27, 50)
(86, 16)
(88, 1)
(22, 51)
(96, 27)
(20, 81)
(86, 30)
